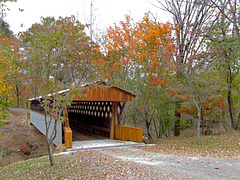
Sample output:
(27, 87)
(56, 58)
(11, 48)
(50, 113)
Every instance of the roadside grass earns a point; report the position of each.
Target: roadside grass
(39, 168)
(77, 165)
(224, 146)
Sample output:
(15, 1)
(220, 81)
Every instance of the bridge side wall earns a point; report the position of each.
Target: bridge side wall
(38, 120)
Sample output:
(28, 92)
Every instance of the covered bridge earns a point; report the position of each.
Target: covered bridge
(98, 110)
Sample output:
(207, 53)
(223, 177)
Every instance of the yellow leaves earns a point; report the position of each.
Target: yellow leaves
(5, 86)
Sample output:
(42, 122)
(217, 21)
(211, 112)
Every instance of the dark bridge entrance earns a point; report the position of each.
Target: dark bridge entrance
(91, 117)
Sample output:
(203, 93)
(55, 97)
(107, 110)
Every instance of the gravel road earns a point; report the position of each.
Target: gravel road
(184, 167)
(19, 111)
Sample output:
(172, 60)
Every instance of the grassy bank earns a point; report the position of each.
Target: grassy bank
(79, 165)
(225, 146)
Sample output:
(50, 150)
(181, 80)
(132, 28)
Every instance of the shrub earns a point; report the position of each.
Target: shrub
(24, 148)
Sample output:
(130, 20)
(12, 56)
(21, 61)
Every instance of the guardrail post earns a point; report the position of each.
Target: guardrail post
(68, 137)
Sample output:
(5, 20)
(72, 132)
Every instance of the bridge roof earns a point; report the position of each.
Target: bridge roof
(97, 91)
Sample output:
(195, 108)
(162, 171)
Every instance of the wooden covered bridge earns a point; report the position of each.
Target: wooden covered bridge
(98, 110)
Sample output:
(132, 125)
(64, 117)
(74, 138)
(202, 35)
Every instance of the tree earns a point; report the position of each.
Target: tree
(58, 55)
(5, 28)
(10, 44)
(225, 44)
(201, 85)
(188, 17)
(139, 59)
(6, 67)
(5, 86)
(7, 52)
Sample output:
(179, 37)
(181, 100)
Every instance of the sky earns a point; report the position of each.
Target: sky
(105, 12)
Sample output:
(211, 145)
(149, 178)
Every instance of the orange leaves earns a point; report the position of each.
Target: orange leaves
(145, 44)
(155, 81)
(97, 49)
(210, 104)
(144, 35)
(178, 95)
(188, 110)
(213, 102)
(220, 105)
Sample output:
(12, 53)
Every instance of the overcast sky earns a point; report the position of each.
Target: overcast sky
(105, 12)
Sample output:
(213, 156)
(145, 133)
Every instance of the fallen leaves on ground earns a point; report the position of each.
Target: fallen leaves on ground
(78, 165)
(224, 146)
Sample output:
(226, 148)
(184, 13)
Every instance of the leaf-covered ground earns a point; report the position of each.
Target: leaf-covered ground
(224, 146)
(147, 162)
(79, 165)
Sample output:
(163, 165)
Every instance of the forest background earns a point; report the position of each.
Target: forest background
(185, 73)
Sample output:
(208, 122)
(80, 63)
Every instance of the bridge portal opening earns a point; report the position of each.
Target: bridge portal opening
(90, 119)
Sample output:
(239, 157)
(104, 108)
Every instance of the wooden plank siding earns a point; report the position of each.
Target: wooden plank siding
(113, 94)
(128, 133)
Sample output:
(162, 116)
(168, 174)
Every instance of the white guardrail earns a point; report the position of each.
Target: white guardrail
(38, 120)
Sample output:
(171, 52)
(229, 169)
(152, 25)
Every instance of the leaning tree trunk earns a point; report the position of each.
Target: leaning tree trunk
(148, 124)
(50, 137)
(50, 152)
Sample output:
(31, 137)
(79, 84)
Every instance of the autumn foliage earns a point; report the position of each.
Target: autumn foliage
(7, 47)
(145, 45)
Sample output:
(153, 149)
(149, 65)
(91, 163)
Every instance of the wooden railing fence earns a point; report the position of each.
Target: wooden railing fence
(128, 133)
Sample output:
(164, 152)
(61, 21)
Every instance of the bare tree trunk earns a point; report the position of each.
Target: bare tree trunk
(50, 152)
(177, 121)
(156, 129)
(202, 120)
(238, 121)
(36, 91)
(230, 108)
(148, 123)
(50, 138)
(198, 125)
(160, 128)
(17, 94)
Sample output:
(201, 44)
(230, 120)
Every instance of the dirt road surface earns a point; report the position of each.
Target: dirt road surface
(183, 167)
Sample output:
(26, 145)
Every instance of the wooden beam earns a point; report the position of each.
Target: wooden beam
(65, 115)
(114, 119)
(68, 137)
(121, 111)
